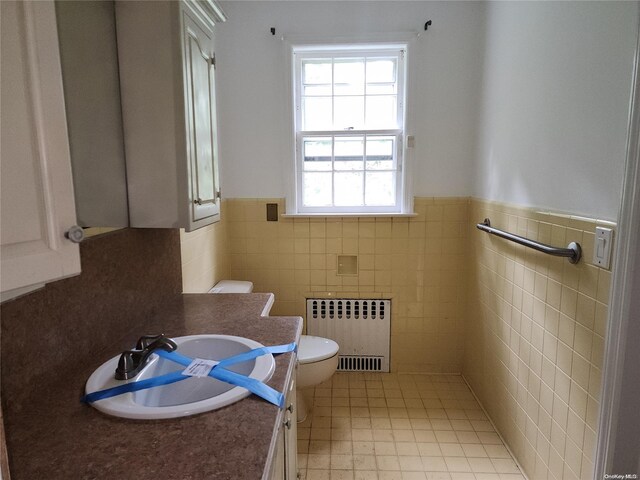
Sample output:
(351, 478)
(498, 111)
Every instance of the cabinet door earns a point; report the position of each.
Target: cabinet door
(201, 119)
(37, 204)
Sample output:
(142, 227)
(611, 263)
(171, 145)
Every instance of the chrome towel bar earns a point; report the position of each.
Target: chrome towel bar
(573, 251)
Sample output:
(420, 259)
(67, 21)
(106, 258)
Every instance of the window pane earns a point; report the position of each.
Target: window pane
(320, 89)
(380, 189)
(381, 70)
(381, 88)
(349, 112)
(381, 112)
(348, 76)
(317, 113)
(316, 189)
(316, 71)
(317, 154)
(348, 189)
(380, 153)
(349, 153)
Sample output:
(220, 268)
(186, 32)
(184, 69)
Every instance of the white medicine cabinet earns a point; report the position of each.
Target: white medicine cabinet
(167, 80)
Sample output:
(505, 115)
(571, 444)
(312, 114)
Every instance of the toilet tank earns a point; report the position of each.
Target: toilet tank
(232, 286)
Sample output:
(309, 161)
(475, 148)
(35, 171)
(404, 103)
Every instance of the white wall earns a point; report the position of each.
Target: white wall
(556, 89)
(252, 89)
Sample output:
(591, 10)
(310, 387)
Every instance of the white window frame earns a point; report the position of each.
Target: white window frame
(297, 53)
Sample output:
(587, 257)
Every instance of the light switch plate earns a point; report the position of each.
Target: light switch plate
(602, 247)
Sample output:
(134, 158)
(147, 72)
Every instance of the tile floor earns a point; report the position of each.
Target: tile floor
(368, 426)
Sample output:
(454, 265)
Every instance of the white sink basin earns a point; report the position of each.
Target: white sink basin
(186, 397)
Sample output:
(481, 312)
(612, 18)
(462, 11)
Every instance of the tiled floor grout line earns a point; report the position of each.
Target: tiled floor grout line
(506, 445)
(409, 427)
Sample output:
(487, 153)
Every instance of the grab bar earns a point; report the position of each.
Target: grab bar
(573, 251)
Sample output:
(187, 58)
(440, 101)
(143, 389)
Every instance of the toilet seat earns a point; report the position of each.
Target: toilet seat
(313, 349)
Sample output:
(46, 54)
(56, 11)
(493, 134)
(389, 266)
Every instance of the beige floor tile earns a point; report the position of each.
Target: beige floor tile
(434, 464)
(363, 448)
(373, 426)
(341, 462)
(468, 437)
(320, 434)
(358, 402)
(316, 461)
(489, 438)
(377, 402)
(420, 424)
(380, 423)
(505, 465)
(481, 465)
(400, 423)
(407, 448)
(385, 448)
(403, 435)
(320, 446)
(360, 412)
(446, 436)
(365, 475)
(340, 402)
(462, 476)
(357, 423)
(387, 462)
(474, 450)
(364, 462)
(382, 435)
(411, 463)
(362, 434)
(497, 451)
(452, 450)
(341, 474)
(318, 475)
(396, 475)
(341, 447)
(440, 476)
(321, 422)
(487, 476)
(428, 449)
(457, 464)
(414, 476)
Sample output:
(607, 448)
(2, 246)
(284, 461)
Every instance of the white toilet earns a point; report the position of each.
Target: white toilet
(317, 356)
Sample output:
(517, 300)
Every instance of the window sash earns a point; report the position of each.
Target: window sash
(340, 134)
(395, 52)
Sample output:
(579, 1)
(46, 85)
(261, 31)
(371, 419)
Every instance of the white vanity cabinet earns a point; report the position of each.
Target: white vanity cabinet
(167, 80)
(285, 463)
(37, 204)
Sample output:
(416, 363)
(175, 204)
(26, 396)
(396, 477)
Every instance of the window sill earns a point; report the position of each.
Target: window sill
(347, 215)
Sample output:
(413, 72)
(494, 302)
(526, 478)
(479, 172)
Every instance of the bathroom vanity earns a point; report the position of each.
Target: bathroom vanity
(51, 434)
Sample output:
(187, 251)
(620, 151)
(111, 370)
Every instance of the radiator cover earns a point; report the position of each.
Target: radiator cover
(361, 327)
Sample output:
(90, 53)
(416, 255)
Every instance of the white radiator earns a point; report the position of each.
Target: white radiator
(360, 327)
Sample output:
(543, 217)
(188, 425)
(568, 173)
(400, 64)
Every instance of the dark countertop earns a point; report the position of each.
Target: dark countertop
(52, 435)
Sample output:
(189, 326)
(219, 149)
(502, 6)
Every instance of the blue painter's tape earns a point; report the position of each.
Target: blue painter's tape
(218, 372)
(134, 386)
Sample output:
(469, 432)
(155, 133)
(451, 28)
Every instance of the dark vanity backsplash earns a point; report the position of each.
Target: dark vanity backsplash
(126, 276)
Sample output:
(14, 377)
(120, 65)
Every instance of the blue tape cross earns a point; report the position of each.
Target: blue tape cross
(219, 372)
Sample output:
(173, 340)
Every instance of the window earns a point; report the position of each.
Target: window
(349, 125)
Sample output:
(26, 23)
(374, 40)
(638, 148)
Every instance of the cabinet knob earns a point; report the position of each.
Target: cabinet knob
(288, 424)
(290, 408)
(75, 234)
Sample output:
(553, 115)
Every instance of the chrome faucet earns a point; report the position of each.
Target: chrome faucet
(132, 361)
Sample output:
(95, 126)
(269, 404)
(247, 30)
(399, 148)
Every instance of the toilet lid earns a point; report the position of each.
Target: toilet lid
(314, 349)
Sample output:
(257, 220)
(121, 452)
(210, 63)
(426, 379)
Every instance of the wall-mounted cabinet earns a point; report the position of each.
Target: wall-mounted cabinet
(92, 97)
(37, 201)
(167, 80)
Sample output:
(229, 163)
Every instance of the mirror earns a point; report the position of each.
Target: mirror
(88, 52)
